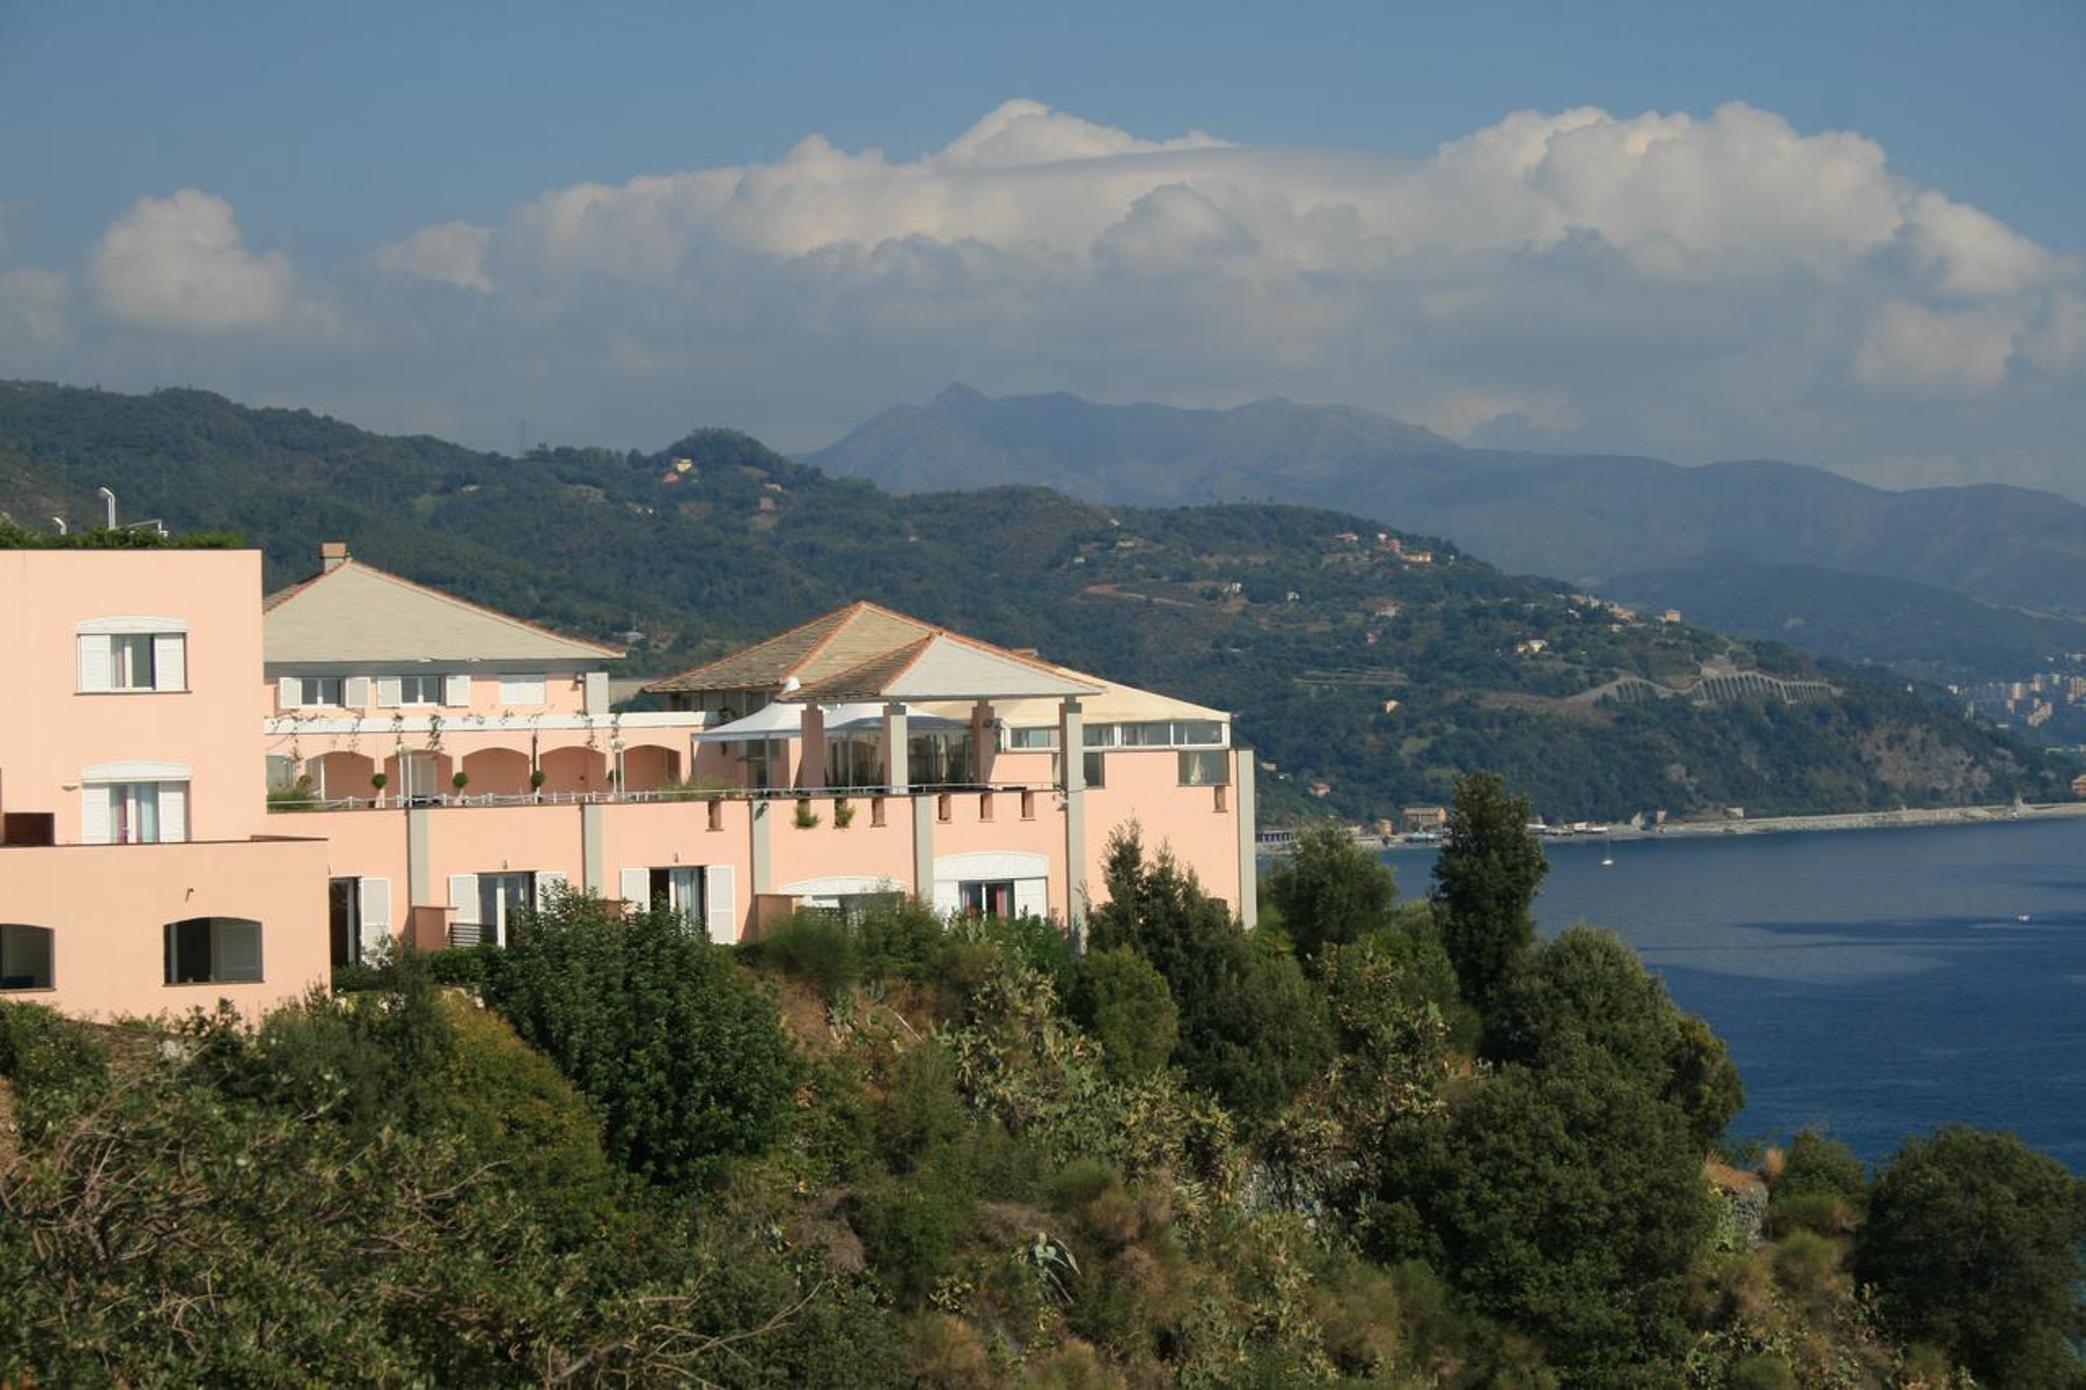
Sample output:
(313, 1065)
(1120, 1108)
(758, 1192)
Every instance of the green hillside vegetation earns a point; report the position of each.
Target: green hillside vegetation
(904, 1152)
(1919, 629)
(1348, 665)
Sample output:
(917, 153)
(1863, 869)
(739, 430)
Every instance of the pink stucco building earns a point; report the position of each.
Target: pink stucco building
(428, 768)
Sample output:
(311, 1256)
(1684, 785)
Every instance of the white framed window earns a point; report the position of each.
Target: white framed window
(986, 897)
(1100, 736)
(213, 950)
(521, 690)
(1204, 767)
(25, 956)
(1045, 737)
(126, 655)
(134, 813)
(314, 691)
(420, 690)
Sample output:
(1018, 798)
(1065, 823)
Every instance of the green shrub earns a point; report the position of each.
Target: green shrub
(1819, 1212)
(41, 1049)
(1973, 1243)
(682, 1053)
(1330, 890)
(909, 1229)
(1124, 1004)
(1806, 1264)
(1817, 1164)
(924, 1112)
(817, 947)
(355, 977)
(903, 940)
(461, 965)
(1761, 1371)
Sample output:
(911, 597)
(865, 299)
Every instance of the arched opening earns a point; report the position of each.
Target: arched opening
(497, 772)
(417, 775)
(648, 767)
(26, 956)
(574, 771)
(341, 776)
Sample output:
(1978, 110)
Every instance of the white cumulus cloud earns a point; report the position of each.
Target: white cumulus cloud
(450, 253)
(180, 262)
(1691, 285)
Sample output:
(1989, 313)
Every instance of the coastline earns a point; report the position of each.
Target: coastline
(2021, 813)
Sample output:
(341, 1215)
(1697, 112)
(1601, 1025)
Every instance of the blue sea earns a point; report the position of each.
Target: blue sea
(1874, 983)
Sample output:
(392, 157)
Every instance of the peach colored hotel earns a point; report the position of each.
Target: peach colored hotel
(206, 794)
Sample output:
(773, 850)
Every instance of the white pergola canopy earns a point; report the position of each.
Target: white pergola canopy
(780, 720)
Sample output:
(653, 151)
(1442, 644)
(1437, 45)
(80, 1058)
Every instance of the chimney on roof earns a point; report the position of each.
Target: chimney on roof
(332, 555)
(1029, 652)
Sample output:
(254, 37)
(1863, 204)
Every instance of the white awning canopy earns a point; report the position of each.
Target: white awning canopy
(780, 720)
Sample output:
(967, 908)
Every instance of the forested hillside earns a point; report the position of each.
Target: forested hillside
(1356, 666)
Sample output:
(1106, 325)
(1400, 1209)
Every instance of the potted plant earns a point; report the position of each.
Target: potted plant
(536, 780)
(843, 814)
(807, 819)
(460, 780)
(376, 783)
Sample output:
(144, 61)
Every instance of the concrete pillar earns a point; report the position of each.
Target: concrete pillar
(1249, 848)
(811, 764)
(1071, 742)
(981, 742)
(923, 847)
(419, 876)
(763, 872)
(897, 749)
(591, 875)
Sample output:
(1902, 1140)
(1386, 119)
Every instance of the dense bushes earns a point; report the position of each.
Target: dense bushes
(682, 1053)
(1973, 1241)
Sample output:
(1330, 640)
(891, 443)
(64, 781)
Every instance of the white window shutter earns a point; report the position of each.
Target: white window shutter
(173, 812)
(95, 818)
(389, 693)
(948, 897)
(721, 888)
(549, 882)
(94, 661)
(169, 661)
(456, 691)
(1031, 897)
(637, 888)
(288, 695)
(463, 896)
(375, 896)
(354, 692)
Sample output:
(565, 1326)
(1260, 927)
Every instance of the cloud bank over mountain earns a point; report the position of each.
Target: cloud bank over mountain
(1683, 285)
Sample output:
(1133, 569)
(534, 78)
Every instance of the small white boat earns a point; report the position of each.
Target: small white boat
(2020, 917)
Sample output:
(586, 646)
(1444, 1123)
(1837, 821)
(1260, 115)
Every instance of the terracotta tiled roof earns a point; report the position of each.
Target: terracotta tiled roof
(864, 651)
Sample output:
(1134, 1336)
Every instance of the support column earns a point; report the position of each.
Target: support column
(419, 878)
(591, 876)
(981, 742)
(811, 764)
(923, 848)
(1249, 844)
(763, 874)
(897, 750)
(1071, 743)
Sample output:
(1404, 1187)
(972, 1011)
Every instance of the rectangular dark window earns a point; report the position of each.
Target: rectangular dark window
(344, 919)
(213, 950)
(25, 956)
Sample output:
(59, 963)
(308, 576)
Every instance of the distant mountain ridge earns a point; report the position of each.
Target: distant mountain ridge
(1585, 517)
(1364, 677)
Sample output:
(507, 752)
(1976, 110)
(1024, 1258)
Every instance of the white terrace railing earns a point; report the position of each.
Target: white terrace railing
(394, 802)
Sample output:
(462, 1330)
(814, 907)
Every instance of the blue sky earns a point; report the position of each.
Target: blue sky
(328, 132)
